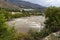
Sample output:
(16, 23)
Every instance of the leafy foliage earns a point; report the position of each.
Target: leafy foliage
(53, 19)
(52, 23)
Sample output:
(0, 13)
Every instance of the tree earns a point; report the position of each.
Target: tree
(53, 19)
(23, 11)
(52, 23)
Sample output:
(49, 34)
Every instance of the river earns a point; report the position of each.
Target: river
(24, 24)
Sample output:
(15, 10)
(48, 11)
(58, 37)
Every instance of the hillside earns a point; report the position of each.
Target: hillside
(19, 4)
(25, 4)
(5, 4)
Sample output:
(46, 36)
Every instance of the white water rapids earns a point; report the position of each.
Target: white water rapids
(26, 23)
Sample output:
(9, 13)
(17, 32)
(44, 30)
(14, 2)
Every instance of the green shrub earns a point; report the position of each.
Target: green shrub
(7, 14)
(6, 33)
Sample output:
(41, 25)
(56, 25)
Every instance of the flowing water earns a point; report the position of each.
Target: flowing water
(24, 24)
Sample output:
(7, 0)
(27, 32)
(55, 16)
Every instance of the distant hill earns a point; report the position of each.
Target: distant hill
(25, 4)
(19, 4)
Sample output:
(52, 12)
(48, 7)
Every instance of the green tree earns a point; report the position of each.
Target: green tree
(53, 19)
(52, 23)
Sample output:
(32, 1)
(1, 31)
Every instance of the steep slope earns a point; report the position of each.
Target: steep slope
(5, 4)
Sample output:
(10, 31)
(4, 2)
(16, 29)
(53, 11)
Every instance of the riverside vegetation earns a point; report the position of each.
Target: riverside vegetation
(52, 25)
